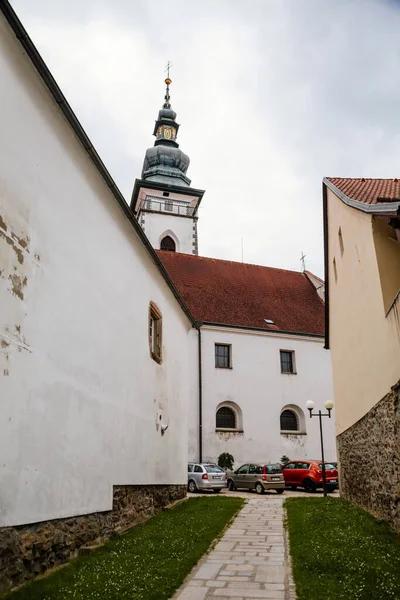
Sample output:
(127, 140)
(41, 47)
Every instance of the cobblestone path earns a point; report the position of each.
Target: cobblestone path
(250, 561)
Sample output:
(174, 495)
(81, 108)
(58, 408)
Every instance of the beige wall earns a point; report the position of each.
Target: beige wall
(365, 344)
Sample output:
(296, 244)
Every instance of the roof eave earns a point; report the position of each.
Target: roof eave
(263, 329)
(383, 208)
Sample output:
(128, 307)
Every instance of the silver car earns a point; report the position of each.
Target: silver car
(258, 477)
(205, 476)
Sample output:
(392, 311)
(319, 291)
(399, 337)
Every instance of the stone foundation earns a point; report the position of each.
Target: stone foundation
(29, 550)
(369, 457)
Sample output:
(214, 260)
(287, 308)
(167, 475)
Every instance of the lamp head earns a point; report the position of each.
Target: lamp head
(329, 404)
(310, 404)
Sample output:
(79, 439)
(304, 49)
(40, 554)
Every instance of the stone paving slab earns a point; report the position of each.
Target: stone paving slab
(250, 561)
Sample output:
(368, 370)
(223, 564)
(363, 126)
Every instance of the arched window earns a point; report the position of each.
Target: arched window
(289, 421)
(167, 243)
(226, 418)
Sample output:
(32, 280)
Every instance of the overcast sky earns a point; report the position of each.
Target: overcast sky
(271, 95)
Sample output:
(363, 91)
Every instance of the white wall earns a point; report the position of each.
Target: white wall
(80, 395)
(257, 385)
(157, 225)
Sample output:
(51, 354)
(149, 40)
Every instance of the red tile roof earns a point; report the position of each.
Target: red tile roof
(368, 191)
(221, 291)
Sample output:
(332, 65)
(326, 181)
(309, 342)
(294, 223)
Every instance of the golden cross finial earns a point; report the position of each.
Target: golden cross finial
(167, 68)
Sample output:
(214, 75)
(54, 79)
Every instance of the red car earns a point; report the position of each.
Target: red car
(308, 475)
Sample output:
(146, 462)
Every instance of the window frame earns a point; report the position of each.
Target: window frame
(155, 332)
(292, 360)
(290, 431)
(218, 427)
(229, 347)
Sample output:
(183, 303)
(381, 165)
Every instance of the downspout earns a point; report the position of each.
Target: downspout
(326, 262)
(200, 397)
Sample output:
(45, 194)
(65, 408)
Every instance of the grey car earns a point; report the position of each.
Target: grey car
(205, 476)
(258, 477)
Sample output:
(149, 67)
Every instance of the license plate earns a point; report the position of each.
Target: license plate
(217, 476)
(275, 478)
(333, 481)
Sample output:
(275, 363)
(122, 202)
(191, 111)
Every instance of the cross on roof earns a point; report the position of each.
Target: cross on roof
(167, 68)
(303, 260)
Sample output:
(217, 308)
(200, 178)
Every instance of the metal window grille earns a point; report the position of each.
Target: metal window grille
(168, 205)
(226, 418)
(222, 356)
(286, 361)
(289, 421)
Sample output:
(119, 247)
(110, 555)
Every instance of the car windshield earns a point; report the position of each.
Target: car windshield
(328, 466)
(273, 468)
(213, 469)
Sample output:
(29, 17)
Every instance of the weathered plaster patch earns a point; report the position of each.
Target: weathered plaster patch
(18, 282)
(18, 244)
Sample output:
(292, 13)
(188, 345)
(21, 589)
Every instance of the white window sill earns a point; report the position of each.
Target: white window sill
(291, 432)
(227, 429)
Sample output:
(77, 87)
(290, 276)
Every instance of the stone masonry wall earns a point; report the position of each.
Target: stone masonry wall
(369, 458)
(28, 550)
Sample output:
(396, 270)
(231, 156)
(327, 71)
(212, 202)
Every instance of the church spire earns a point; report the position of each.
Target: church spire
(166, 127)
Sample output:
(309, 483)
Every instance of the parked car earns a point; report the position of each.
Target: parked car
(258, 477)
(308, 475)
(205, 476)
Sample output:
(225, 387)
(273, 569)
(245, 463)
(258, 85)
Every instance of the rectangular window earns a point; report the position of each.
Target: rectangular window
(155, 332)
(287, 361)
(168, 205)
(223, 356)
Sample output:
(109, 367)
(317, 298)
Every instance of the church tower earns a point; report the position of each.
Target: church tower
(162, 200)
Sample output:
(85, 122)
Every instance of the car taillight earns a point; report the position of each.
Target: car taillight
(264, 473)
(204, 476)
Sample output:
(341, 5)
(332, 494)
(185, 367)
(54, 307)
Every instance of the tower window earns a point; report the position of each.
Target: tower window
(165, 194)
(155, 332)
(167, 243)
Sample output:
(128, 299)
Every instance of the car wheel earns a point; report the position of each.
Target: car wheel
(280, 491)
(293, 487)
(192, 487)
(231, 486)
(331, 488)
(217, 491)
(259, 488)
(309, 486)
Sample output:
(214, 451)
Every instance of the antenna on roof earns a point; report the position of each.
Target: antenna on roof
(303, 260)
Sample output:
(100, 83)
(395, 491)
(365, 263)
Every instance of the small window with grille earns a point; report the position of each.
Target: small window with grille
(155, 332)
(287, 361)
(289, 421)
(225, 418)
(168, 205)
(223, 356)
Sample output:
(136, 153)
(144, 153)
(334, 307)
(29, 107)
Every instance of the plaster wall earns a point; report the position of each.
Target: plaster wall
(81, 398)
(181, 229)
(365, 344)
(255, 383)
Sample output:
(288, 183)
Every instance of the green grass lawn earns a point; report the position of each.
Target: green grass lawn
(148, 562)
(339, 551)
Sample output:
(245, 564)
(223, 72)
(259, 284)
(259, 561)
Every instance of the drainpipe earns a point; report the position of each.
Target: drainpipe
(200, 398)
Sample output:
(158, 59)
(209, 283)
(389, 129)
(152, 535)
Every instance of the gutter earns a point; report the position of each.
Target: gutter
(276, 331)
(326, 260)
(51, 84)
(385, 208)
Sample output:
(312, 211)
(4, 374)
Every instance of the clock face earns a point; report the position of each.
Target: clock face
(167, 133)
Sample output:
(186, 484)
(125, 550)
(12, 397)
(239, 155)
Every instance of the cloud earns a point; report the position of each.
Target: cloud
(272, 96)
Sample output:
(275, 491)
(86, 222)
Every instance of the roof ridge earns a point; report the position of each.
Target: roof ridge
(237, 262)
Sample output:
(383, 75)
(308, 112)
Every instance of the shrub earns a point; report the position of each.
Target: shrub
(225, 461)
(284, 459)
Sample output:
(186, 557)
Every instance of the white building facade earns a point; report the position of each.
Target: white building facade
(252, 409)
(94, 385)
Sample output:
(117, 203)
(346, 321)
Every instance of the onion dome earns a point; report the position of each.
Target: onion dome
(165, 163)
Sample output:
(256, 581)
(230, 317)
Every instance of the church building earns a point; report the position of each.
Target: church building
(260, 340)
(123, 353)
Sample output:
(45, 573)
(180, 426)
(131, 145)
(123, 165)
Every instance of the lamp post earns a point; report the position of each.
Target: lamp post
(328, 405)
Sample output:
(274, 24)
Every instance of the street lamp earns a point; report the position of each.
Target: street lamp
(328, 405)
